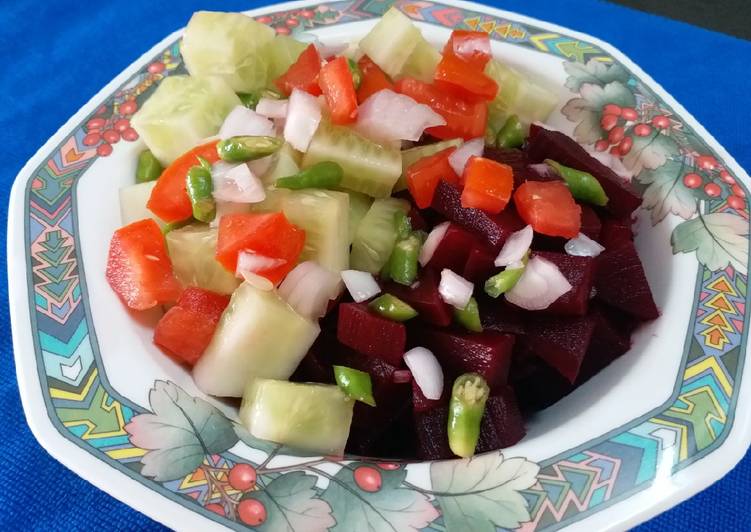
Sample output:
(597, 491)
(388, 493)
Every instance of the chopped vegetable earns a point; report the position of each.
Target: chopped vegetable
(149, 168)
(431, 243)
(391, 41)
(354, 70)
(583, 246)
(360, 285)
(472, 148)
(387, 116)
(302, 74)
(325, 174)
(272, 107)
(355, 383)
(133, 200)
(283, 52)
(455, 289)
(402, 265)
(472, 47)
(199, 186)
(516, 247)
(236, 183)
(582, 184)
(247, 148)
(303, 119)
(338, 88)
(502, 282)
(424, 175)
(511, 134)
(487, 185)
(285, 164)
(359, 205)
(376, 236)
(464, 79)
(540, 285)
(309, 288)
(467, 405)
(549, 208)
(426, 371)
(469, 316)
(392, 307)
(244, 122)
(412, 155)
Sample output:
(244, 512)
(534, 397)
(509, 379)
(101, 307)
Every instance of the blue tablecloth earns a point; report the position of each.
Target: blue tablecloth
(57, 55)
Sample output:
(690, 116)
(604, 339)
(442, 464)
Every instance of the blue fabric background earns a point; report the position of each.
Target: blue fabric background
(57, 55)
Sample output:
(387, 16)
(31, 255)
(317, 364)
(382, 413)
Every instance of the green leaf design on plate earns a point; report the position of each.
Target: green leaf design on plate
(665, 192)
(593, 72)
(587, 110)
(179, 434)
(292, 504)
(718, 238)
(481, 494)
(650, 152)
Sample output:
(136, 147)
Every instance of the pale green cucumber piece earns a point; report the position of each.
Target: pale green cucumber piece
(182, 112)
(359, 204)
(412, 155)
(258, 336)
(192, 249)
(422, 62)
(310, 417)
(282, 52)
(391, 41)
(286, 163)
(376, 236)
(230, 45)
(368, 167)
(133, 200)
(534, 102)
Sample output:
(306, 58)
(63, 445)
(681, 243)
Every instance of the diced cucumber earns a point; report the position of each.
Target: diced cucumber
(192, 249)
(358, 208)
(376, 236)
(259, 336)
(183, 111)
(368, 167)
(534, 102)
(286, 163)
(412, 155)
(422, 62)
(309, 417)
(391, 41)
(282, 52)
(230, 45)
(133, 200)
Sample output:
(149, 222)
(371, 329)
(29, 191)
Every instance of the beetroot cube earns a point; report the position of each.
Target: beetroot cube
(370, 334)
(540, 387)
(424, 298)
(453, 250)
(620, 282)
(314, 368)
(502, 423)
(547, 144)
(479, 265)
(500, 316)
(560, 341)
(607, 344)
(580, 273)
(616, 231)
(591, 224)
(432, 434)
(417, 220)
(420, 403)
(493, 228)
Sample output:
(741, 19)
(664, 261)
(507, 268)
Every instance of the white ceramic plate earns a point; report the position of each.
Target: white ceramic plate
(658, 425)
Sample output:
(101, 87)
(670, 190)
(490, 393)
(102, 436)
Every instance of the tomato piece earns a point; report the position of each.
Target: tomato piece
(303, 74)
(470, 46)
(464, 79)
(268, 234)
(139, 269)
(463, 119)
(186, 329)
(373, 79)
(424, 175)
(169, 198)
(487, 185)
(336, 83)
(549, 208)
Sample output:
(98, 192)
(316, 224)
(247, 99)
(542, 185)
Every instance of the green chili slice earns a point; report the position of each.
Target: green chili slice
(326, 174)
(583, 185)
(467, 405)
(149, 168)
(199, 187)
(403, 260)
(241, 149)
(393, 308)
(355, 383)
(511, 134)
(469, 316)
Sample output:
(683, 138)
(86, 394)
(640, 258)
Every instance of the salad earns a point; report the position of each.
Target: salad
(381, 248)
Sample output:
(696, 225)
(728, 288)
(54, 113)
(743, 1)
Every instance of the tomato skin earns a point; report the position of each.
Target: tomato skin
(549, 208)
(373, 79)
(464, 80)
(336, 83)
(169, 199)
(487, 185)
(268, 234)
(303, 74)
(424, 175)
(139, 269)
(470, 46)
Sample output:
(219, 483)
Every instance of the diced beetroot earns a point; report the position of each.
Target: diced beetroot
(493, 228)
(432, 434)
(548, 243)
(424, 298)
(607, 344)
(400, 438)
(487, 353)
(502, 423)
(316, 365)
(579, 272)
(453, 250)
(620, 282)
(616, 231)
(420, 403)
(417, 220)
(540, 386)
(547, 144)
(500, 316)
(479, 265)
(591, 224)
(370, 334)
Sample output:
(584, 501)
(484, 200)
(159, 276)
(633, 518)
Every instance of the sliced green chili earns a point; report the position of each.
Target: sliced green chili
(199, 188)
(355, 383)
(511, 134)
(149, 168)
(469, 316)
(583, 185)
(326, 174)
(241, 149)
(356, 72)
(251, 99)
(503, 282)
(392, 307)
(403, 261)
(467, 405)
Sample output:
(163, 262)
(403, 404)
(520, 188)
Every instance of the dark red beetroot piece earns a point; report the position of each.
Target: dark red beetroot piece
(620, 282)
(591, 224)
(453, 250)
(579, 272)
(500, 316)
(616, 231)
(416, 219)
(432, 434)
(316, 366)
(420, 403)
(607, 344)
(536, 384)
(493, 228)
(424, 298)
(370, 334)
(547, 144)
(479, 266)
(502, 423)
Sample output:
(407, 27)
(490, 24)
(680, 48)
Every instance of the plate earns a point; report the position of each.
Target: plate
(658, 425)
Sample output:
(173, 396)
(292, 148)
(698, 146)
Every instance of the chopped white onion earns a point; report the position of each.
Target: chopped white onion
(472, 148)
(388, 116)
(432, 242)
(515, 247)
(303, 117)
(243, 121)
(401, 376)
(309, 287)
(455, 289)
(539, 286)
(251, 262)
(583, 246)
(237, 184)
(544, 171)
(272, 108)
(262, 283)
(426, 371)
(361, 285)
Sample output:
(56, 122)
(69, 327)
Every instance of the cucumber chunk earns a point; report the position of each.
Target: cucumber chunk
(259, 336)
(391, 41)
(183, 111)
(133, 200)
(412, 155)
(376, 236)
(283, 51)
(230, 45)
(286, 163)
(310, 417)
(422, 62)
(358, 208)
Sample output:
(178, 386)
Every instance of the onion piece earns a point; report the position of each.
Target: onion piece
(236, 184)
(426, 371)
(303, 117)
(361, 285)
(387, 116)
(262, 283)
(401, 376)
(243, 121)
(432, 242)
(272, 108)
(455, 289)
(515, 247)
(583, 246)
(309, 287)
(472, 148)
(539, 286)
(544, 171)
(251, 262)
